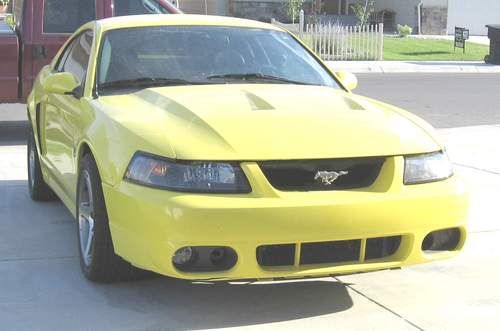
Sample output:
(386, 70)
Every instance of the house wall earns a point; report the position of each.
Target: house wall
(262, 10)
(434, 20)
(473, 14)
(214, 7)
(435, 3)
(406, 11)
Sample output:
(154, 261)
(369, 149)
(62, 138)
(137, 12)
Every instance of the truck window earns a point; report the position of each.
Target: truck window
(65, 16)
(137, 7)
(77, 59)
(17, 11)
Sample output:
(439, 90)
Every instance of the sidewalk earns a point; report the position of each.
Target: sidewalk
(414, 66)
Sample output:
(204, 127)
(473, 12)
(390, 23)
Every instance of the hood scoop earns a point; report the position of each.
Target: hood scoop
(256, 102)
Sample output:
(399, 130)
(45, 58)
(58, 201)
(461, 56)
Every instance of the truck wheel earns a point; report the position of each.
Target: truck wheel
(98, 260)
(39, 190)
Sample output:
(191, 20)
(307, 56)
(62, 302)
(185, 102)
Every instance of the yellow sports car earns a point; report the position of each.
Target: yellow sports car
(217, 148)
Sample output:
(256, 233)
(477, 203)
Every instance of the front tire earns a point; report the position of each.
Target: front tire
(38, 189)
(98, 260)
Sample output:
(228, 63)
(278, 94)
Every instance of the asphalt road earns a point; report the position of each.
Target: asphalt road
(42, 288)
(445, 100)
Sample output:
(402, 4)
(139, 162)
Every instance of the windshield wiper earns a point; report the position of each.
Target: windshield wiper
(257, 76)
(146, 82)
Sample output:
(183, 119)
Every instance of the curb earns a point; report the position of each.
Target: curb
(476, 67)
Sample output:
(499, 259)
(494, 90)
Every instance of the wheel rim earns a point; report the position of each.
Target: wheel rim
(86, 219)
(31, 165)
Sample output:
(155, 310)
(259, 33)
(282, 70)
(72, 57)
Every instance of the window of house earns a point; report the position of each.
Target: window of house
(66, 16)
(137, 7)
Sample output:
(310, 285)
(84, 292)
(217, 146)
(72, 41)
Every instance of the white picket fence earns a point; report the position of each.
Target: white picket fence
(333, 42)
(345, 43)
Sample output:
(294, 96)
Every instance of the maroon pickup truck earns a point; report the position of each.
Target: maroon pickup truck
(40, 27)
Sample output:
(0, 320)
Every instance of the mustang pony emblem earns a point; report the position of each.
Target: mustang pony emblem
(328, 177)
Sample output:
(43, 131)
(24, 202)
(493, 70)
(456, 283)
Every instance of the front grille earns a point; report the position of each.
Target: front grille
(377, 248)
(301, 175)
(276, 255)
(329, 252)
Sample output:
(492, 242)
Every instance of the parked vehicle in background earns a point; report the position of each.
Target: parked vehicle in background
(40, 27)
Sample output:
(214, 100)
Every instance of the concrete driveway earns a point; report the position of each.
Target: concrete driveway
(42, 288)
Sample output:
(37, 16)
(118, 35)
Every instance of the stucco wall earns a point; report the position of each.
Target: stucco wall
(473, 14)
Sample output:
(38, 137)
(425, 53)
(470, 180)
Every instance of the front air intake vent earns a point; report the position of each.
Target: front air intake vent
(322, 175)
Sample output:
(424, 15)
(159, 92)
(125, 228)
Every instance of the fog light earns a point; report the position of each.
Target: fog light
(183, 255)
(217, 255)
(442, 240)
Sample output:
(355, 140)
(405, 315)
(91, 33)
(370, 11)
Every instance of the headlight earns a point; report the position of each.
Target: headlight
(184, 176)
(427, 168)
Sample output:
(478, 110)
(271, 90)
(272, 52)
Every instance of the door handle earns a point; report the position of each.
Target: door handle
(39, 52)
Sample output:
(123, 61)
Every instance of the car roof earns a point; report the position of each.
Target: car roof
(132, 21)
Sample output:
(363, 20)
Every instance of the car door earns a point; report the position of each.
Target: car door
(61, 114)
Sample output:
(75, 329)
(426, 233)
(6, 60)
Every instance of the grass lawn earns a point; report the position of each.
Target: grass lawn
(412, 49)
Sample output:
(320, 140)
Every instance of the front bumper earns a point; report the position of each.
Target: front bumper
(149, 225)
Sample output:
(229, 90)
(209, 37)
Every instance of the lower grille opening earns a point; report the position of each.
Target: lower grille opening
(330, 252)
(377, 248)
(276, 255)
(442, 240)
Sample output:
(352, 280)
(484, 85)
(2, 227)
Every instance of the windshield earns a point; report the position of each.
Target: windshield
(183, 55)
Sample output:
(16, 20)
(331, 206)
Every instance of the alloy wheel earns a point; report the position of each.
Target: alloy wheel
(31, 164)
(86, 218)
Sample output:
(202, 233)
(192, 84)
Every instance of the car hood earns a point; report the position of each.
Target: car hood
(267, 122)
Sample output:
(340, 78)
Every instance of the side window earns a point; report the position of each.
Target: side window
(137, 7)
(66, 16)
(78, 56)
(64, 56)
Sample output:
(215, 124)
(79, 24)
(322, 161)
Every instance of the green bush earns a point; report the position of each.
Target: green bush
(292, 9)
(404, 30)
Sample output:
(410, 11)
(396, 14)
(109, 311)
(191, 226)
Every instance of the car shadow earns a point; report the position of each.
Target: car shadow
(184, 305)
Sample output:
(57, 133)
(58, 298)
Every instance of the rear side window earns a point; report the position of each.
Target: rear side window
(137, 7)
(66, 16)
(77, 59)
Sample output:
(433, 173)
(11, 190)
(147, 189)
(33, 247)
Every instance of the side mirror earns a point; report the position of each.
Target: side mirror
(60, 83)
(347, 79)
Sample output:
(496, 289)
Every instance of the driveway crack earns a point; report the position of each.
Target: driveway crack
(476, 168)
(380, 305)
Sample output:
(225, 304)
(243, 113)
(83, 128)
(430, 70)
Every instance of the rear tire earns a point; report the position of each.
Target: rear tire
(38, 189)
(98, 260)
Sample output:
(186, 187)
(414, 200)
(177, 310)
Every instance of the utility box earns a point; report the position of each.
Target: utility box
(494, 35)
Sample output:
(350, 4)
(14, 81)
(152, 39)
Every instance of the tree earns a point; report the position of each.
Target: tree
(292, 8)
(363, 9)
